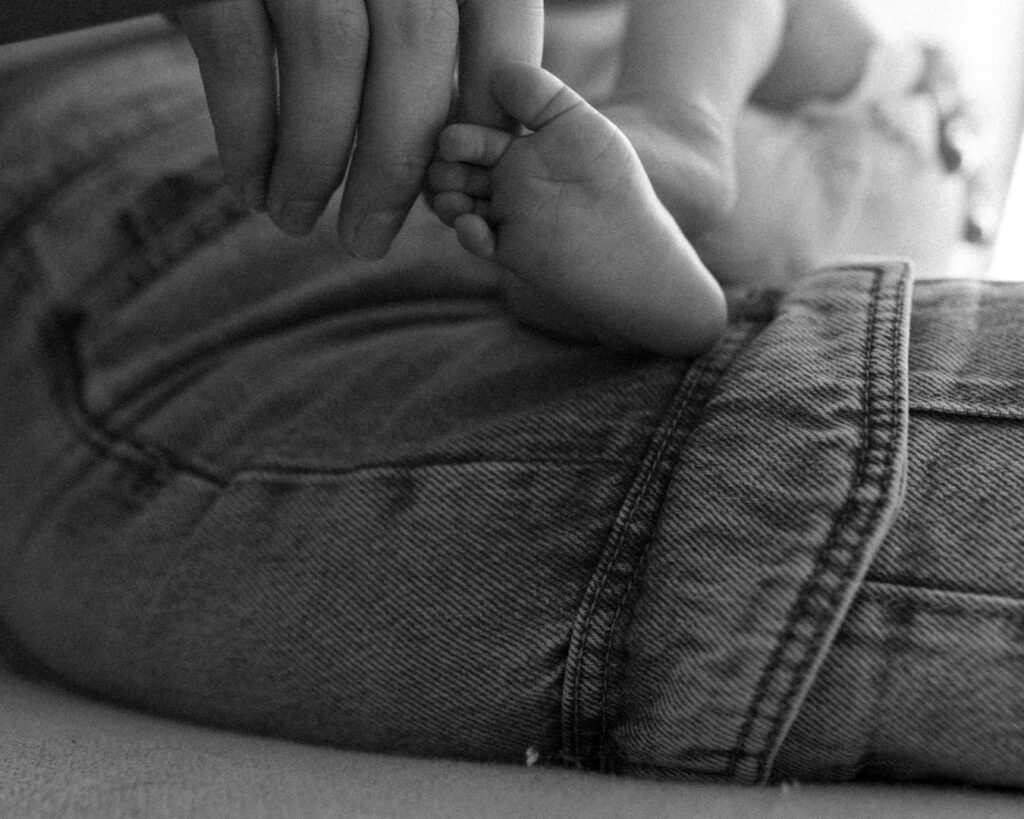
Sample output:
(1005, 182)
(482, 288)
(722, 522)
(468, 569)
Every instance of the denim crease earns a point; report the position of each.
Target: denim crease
(251, 484)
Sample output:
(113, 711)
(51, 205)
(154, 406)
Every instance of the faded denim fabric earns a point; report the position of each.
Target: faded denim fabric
(249, 482)
(926, 677)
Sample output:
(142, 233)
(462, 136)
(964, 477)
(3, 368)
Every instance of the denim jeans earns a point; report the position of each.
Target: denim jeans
(249, 482)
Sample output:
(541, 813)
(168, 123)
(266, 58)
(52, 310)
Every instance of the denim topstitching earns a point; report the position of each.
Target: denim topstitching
(57, 337)
(601, 597)
(155, 462)
(835, 567)
(686, 418)
(959, 410)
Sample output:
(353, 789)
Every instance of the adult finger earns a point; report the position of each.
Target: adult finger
(406, 97)
(322, 47)
(234, 46)
(494, 33)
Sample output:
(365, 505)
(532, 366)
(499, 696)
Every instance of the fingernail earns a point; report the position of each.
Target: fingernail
(373, 236)
(296, 217)
(255, 195)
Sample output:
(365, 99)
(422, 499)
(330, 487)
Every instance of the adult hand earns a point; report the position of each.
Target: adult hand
(289, 83)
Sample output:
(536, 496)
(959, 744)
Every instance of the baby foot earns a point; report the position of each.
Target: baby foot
(568, 209)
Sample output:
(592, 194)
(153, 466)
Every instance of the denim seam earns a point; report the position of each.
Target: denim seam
(154, 460)
(694, 390)
(925, 594)
(311, 477)
(835, 567)
(648, 467)
(776, 663)
(733, 756)
(715, 374)
(277, 325)
(67, 378)
(944, 409)
(634, 578)
(632, 499)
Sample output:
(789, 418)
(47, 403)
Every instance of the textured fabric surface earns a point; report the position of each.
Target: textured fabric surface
(925, 678)
(782, 492)
(254, 484)
(63, 755)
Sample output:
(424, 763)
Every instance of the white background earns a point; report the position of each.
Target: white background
(987, 39)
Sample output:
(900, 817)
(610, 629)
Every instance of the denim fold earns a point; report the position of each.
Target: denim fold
(250, 482)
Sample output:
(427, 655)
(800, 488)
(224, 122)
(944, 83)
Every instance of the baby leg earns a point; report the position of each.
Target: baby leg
(690, 66)
(568, 211)
(823, 54)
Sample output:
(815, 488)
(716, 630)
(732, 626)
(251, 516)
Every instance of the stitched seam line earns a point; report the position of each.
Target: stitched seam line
(881, 500)
(267, 327)
(607, 660)
(153, 458)
(619, 538)
(695, 378)
(68, 385)
(849, 563)
(272, 474)
(716, 372)
(927, 596)
(951, 410)
(737, 754)
(802, 608)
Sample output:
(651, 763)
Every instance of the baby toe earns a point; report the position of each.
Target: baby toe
(471, 180)
(475, 235)
(474, 144)
(450, 205)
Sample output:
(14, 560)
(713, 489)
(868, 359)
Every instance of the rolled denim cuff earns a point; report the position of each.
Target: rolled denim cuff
(778, 472)
(250, 484)
(923, 681)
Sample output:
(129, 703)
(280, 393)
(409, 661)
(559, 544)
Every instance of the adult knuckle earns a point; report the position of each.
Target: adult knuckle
(402, 174)
(421, 25)
(323, 29)
(339, 26)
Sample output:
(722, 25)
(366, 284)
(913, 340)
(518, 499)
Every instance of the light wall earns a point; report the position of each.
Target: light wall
(986, 37)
